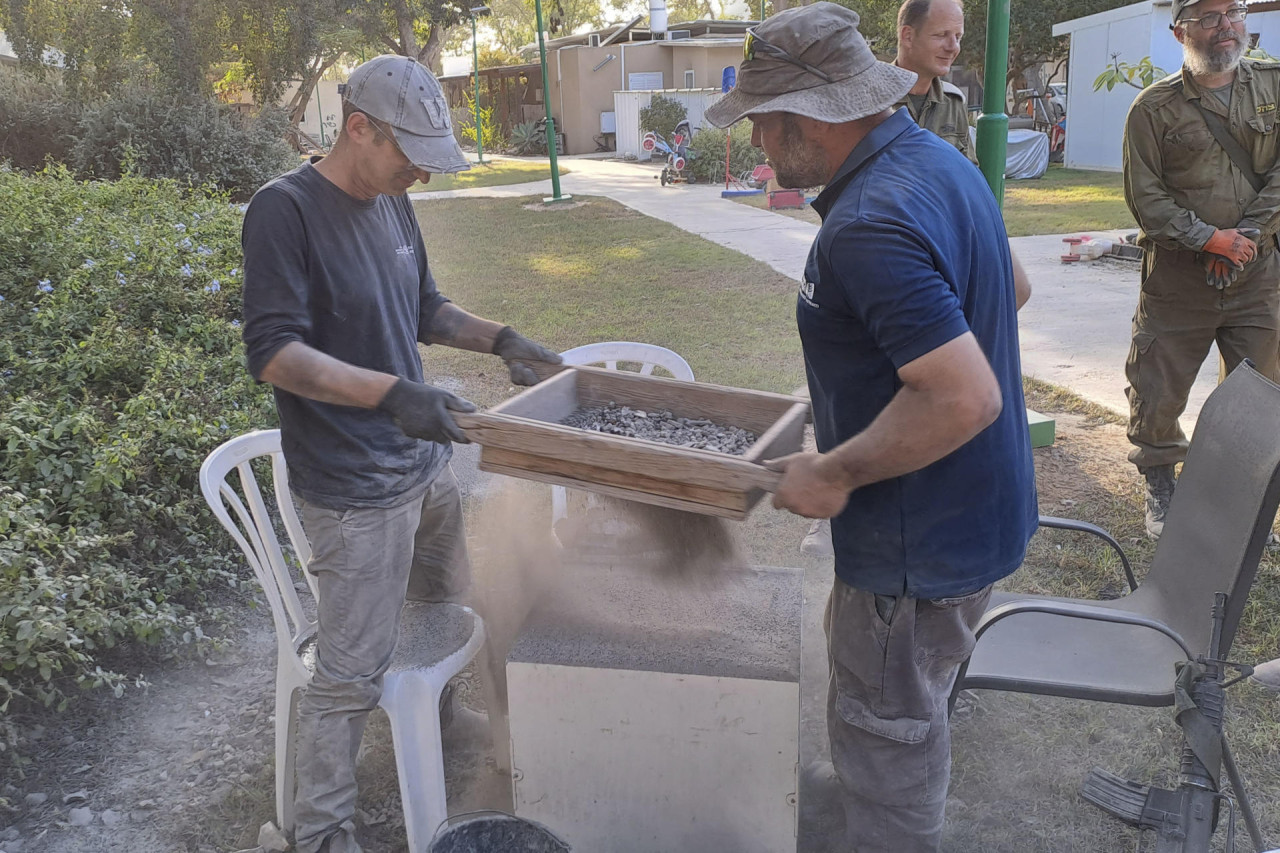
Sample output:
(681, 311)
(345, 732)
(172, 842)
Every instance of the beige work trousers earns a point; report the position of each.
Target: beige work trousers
(1179, 316)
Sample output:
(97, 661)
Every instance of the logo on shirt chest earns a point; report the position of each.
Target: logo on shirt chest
(405, 250)
(806, 293)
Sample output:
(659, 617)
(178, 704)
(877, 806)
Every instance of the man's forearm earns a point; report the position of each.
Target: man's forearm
(1021, 284)
(307, 372)
(451, 326)
(915, 430)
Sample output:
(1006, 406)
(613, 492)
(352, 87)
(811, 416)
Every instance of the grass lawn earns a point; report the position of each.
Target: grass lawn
(494, 173)
(570, 275)
(1062, 201)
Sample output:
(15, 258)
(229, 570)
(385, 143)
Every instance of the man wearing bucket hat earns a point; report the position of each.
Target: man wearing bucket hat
(1201, 177)
(929, 34)
(337, 297)
(907, 317)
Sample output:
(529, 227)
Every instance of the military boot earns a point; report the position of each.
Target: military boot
(1160, 483)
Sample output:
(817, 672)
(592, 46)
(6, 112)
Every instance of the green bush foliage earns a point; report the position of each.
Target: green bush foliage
(194, 142)
(37, 122)
(662, 115)
(120, 368)
(142, 132)
(493, 138)
(707, 146)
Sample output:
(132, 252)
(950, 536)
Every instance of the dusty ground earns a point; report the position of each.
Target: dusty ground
(185, 764)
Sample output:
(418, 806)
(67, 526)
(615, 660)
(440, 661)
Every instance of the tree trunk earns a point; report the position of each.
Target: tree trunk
(298, 104)
(429, 53)
(404, 24)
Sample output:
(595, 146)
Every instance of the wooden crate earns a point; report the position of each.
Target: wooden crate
(522, 438)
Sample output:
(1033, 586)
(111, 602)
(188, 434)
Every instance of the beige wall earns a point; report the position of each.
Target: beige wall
(579, 94)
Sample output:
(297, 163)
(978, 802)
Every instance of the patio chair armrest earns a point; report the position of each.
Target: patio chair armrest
(1086, 527)
(1077, 610)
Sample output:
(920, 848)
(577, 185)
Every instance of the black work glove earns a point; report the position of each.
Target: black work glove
(422, 411)
(1220, 271)
(515, 349)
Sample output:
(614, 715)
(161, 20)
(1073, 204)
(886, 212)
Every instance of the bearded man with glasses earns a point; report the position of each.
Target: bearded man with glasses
(1200, 154)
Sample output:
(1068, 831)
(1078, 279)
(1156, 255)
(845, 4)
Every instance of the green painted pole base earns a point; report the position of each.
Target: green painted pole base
(1042, 427)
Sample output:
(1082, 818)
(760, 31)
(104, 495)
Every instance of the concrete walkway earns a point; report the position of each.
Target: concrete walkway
(1075, 330)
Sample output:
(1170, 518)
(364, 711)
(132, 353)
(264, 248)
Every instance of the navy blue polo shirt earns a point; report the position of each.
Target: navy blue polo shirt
(912, 254)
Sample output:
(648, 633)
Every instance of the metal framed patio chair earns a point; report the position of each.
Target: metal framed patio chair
(436, 640)
(1125, 651)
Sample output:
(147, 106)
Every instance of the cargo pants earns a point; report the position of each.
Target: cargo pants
(1179, 316)
(893, 663)
(366, 563)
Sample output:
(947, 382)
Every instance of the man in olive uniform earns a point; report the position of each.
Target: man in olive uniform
(929, 34)
(1208, 218)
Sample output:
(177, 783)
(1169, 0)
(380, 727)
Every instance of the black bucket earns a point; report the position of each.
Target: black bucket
(496, 832)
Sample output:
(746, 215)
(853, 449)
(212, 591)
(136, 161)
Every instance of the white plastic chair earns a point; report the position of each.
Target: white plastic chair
(436, 640)
(609, 353)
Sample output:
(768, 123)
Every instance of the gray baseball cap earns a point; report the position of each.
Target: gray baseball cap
(1179, 5)
(404, 94)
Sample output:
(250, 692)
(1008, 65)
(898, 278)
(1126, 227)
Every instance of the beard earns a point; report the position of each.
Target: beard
(799, 164)
(1213, 58)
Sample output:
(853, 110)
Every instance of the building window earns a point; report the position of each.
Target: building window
(688, 79)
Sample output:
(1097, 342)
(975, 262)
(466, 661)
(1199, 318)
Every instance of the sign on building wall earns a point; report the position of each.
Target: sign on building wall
(644, 81)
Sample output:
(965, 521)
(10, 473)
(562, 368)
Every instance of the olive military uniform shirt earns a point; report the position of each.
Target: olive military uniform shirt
(1179, 182)
(943, 113)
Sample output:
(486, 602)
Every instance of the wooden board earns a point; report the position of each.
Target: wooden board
(522, 437)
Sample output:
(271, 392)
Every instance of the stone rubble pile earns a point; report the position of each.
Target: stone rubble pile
(662, 426)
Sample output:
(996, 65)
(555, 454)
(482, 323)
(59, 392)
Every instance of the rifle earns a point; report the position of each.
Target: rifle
(1186, 818)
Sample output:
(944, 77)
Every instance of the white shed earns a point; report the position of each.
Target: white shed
(627, 106)
(1095, 120)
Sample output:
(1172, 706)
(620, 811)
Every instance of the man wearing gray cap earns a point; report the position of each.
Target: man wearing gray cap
(907, 317)
(1201, 177)
(337, 297)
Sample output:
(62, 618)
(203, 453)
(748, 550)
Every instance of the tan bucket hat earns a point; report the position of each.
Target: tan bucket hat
(811, 61)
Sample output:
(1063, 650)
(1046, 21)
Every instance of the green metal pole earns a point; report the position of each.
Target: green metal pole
(762, 11)
(993, 126)
(475, 67)
(546, 101)
(319, 114)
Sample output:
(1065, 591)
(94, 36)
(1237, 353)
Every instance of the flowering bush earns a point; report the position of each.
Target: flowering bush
(120, 368)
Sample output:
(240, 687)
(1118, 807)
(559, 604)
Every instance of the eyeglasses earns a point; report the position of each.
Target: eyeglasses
(376, 126)
(753, 44)
(1212, 20)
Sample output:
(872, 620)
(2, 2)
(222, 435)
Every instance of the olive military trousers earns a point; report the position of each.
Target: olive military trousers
(1179, 316)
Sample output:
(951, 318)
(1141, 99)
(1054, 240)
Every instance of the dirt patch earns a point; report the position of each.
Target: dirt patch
(543, 207)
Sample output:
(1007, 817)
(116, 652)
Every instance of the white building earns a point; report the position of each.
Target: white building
(1095, 120)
